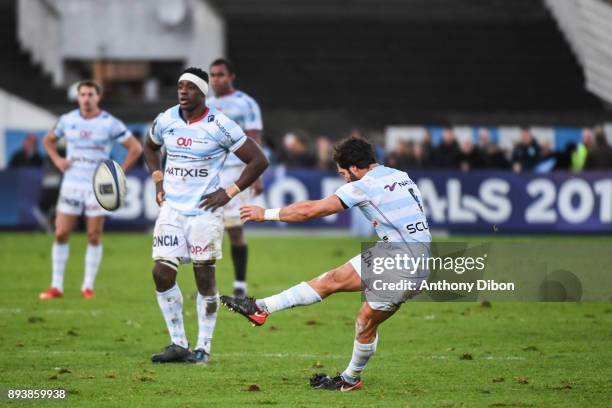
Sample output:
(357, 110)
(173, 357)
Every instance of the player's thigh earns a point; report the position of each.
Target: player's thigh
(95, 226)
(168, 235)
(64, 223)
(71, 200)
(341, 279)
(204, 235)
(92, 207)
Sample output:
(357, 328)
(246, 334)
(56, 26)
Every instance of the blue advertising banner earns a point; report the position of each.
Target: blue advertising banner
(483, 202)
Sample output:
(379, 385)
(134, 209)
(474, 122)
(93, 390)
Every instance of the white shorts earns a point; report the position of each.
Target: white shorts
(73, 199)
(384, 306)
(231, 210)
(188, 238)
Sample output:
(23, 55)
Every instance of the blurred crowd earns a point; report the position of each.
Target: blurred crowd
(299, 150)
(528, 155)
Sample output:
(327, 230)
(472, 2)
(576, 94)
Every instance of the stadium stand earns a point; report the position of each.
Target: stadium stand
(18, 75)
(434, 68)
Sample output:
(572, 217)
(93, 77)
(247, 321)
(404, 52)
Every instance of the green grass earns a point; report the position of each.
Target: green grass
(523, 354)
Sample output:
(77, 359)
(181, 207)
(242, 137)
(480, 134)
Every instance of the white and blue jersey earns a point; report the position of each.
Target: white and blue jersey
(391, 201)
(242, 109)
(88, 142)
(196, 153)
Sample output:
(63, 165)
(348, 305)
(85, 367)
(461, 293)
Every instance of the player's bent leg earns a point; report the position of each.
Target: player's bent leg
(93, 255)
(341, 279)
(207, 303)
(59, 255)
(364, 347)
(170, 301)
(239, 250)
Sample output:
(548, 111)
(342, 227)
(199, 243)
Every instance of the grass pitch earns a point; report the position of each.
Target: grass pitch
(430, 354)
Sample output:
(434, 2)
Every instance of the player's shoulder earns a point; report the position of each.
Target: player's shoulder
(170, 114)
(107, 116)
(383, 172)
(248, 99)
(71, 115)
(378, 176)
(215, 115)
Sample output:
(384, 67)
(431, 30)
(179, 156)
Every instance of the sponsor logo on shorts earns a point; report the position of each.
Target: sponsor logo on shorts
(70, 201)
(199, 250)
(182, 172)
(165, 241)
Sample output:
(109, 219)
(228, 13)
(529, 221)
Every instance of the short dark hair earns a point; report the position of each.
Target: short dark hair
(354, 152)
(197, 72)
(224, 61)
(90, 83)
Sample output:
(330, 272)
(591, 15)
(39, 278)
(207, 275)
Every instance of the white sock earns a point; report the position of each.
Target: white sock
(361, 355)
(206, 320)
(171, 304)
(93, 256)
(240, 285)
(59, 257)
(301, 294)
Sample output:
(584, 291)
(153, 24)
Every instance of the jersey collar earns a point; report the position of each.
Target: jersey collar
(199, 118)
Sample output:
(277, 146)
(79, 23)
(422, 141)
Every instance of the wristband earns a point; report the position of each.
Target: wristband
(157, 176)
(232, 190)
(272, 214)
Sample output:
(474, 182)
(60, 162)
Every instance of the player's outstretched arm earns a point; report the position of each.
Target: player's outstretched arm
(296, 212)
(134, 150)
(256, 163)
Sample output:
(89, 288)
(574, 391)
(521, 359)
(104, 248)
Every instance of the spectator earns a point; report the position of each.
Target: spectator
(28, 154)
(579, 156)
(548, 158)
(564, 158)
(526, 153)
(418, 155)
(447, 154)
(495, 158)
(295, 153)
(470, 157)
(600, 154)
(324, 153)
(399, 157)
(426, 149)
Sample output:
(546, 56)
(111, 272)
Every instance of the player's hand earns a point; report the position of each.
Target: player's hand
(252, 213)
(257, 187)
(214, 200)
(62, 164)
(160, 195)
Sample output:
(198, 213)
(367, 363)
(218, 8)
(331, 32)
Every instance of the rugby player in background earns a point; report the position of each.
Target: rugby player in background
(90, 133)
(392, 202)
(198, 140)
(242, 109)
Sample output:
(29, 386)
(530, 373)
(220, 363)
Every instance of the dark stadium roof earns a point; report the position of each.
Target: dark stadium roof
(419, 10)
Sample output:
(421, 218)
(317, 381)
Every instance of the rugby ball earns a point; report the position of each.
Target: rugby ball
(109, 185)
